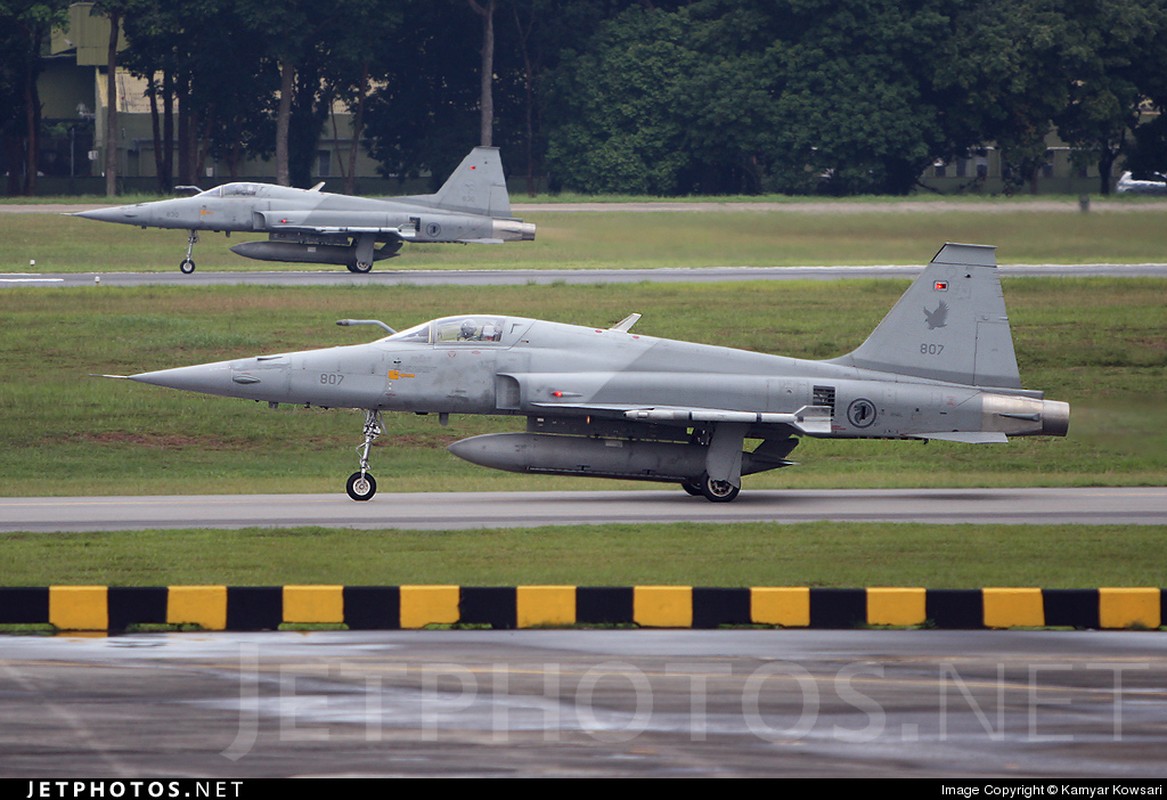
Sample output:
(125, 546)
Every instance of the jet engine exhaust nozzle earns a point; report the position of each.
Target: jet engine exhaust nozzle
(511, 230)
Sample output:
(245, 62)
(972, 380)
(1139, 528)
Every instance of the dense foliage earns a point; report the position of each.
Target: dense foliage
(711, 96)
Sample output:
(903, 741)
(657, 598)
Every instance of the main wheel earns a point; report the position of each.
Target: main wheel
(187, 266)
(361, 486)
(718, 491)
(361, 266)
(692, 489)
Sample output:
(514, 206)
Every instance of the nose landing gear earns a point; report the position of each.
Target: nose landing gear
(187, 266)
(361, 485)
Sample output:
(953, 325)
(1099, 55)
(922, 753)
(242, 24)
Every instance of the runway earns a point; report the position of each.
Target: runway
(598, 703)
(469, 510)
(523, 277)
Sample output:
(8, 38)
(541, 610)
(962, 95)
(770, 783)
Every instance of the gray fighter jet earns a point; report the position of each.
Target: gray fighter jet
(610, 403)
(315, 227)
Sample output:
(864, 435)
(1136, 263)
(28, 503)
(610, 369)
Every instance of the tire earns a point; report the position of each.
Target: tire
(361, 487)
(692, 489)
(718, 491)
(187, 266)
(361, 266)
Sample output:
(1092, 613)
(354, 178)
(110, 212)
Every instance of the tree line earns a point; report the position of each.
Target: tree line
(627, 96)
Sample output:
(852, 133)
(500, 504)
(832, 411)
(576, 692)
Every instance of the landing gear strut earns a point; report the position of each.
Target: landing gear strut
(363, 253)
(361, 485)
(188, 266)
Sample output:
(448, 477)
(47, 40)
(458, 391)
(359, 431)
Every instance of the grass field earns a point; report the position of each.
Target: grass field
(844, 234)
(747, 554)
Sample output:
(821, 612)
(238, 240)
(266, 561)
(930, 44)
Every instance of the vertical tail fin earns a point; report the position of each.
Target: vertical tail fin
(477, 186)
(950, 325)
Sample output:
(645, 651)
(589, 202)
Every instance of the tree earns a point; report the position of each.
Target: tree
(1111, 54)
(732, 129)
(352, 65)
(114, 11)
(616, 109)
(486, 70)
(529, 40)
(287, 33)
(424, 115)
(24, 25)
(1004, 69)
(200, 59)
(154, 35)
(859, 107)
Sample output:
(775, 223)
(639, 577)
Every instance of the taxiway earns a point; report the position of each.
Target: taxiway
(523, 277)
(748, 703)
(468, 510)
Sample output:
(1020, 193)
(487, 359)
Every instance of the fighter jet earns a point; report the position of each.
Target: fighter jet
(606, 402)
(315, 227)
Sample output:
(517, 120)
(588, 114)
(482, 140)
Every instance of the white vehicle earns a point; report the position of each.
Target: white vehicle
(1146, 183)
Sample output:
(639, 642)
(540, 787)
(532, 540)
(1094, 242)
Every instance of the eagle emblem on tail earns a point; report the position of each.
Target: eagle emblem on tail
(937, 318)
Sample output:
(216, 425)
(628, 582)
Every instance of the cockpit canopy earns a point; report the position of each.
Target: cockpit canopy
(233, 190)
(473, 329)
(250, 191)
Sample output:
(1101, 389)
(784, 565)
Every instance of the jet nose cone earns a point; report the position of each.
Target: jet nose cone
(206, 378)
(115, 214)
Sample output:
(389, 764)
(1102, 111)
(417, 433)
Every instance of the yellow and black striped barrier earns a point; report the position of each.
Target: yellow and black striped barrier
(251, 608)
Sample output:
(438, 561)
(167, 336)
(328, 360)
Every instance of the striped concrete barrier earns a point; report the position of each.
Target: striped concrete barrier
(251, 608)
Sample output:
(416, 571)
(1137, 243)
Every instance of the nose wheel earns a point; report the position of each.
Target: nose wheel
(187, 265)
(361, 485)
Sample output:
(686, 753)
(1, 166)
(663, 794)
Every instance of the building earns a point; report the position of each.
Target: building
(73, 89)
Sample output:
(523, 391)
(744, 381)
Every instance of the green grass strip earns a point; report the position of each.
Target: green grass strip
(746, 554)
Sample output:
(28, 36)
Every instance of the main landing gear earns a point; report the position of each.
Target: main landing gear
(187, 266)
(361, 485)
(364, 253)
(722, 444)
(711, 490)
